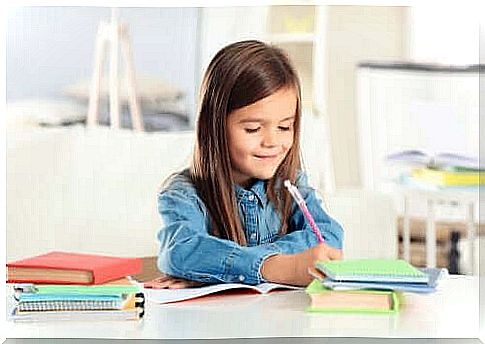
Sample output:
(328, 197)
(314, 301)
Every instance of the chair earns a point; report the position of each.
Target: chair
(369, 222)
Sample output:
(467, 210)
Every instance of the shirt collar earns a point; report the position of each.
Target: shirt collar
(258, 189)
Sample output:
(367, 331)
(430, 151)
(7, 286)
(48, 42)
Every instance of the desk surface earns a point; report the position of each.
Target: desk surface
(450, 312)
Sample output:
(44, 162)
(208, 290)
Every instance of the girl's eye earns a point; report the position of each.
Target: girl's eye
(251, 130)
(284, 128)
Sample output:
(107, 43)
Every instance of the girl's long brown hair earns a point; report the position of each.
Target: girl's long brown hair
(239, 75)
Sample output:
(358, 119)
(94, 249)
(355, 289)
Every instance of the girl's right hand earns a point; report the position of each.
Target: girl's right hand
(306, 260)
(293, 269)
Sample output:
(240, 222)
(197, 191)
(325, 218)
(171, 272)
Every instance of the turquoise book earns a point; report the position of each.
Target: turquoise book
(372, 270)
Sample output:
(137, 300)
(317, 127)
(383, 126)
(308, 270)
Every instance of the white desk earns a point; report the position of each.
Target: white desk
(450, 312)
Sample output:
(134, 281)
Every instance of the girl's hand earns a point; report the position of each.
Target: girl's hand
(169, 282)
(306, 260)
(293, 269)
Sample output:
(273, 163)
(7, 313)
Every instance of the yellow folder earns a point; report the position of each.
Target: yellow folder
(448, 178)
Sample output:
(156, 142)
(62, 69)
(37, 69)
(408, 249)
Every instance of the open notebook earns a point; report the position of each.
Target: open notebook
(176, 295)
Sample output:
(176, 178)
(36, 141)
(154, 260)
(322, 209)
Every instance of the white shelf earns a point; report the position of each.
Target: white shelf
(300, 37)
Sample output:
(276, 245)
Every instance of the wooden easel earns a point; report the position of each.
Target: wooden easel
(113, 35)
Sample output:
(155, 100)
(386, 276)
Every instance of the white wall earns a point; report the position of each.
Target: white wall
(355, 33)
(221, 26)
(447, 35)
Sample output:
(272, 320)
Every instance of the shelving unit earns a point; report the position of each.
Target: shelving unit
(297, 30)
(292, 38)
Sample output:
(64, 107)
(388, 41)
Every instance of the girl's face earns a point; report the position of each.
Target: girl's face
(260, 135)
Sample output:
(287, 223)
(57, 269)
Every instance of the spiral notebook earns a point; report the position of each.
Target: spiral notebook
(131, 308)
(372, 270)
(68, 302)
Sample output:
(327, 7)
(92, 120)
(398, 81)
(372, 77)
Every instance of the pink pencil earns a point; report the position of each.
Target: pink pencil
(301, 203)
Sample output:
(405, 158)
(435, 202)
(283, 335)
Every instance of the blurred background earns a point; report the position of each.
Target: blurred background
(377, 81)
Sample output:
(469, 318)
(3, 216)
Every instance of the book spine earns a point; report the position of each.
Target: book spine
(140, 304)
(46, 281)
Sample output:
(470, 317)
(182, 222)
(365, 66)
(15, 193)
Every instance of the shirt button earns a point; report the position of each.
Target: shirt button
(253, 236)
(251, 197)
(241, 278)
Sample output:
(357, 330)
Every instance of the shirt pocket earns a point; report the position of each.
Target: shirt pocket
(270, 226)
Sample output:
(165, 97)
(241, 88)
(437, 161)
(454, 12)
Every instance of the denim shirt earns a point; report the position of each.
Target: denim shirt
(188, 250)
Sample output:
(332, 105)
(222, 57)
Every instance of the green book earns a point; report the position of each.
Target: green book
(325, 300)
(101, 289)
(372, 270)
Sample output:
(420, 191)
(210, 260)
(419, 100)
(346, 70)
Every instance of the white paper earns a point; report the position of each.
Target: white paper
(174, 295)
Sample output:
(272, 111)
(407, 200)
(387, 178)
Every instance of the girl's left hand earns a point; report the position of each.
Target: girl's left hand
(170, 282)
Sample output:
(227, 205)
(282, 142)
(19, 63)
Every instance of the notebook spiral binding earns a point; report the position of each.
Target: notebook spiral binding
(40, 306)
(140, 304)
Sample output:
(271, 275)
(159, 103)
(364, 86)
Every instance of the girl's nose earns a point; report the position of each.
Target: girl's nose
(270, 139)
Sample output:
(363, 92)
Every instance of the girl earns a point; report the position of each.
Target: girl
(227, 218)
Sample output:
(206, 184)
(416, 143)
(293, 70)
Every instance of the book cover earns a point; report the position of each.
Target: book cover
(71, 268)
(372, 270)
(325, 300)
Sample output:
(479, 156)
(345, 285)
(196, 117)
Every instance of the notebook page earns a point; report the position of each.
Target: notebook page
(267, 287)
(174, 295)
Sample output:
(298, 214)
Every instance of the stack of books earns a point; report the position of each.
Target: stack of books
(73, 286)
(443, 170)
(367, 285)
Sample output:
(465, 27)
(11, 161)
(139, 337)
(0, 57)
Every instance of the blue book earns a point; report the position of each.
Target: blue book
(434, 274)
(33, 297)
(372, 270)
(33, 302)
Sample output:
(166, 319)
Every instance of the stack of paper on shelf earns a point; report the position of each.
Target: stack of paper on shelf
(440, 170)
(72, 286)
(370, 285)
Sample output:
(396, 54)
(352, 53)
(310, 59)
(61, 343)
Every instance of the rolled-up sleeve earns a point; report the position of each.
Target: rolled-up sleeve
(301, 236)
(188, 250)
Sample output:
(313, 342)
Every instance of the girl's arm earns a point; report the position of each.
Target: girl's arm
(188, 251)
(293, 268)
(301, 247)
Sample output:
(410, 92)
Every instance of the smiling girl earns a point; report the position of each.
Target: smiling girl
(227, 217)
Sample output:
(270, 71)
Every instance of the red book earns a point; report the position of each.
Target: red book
(71, 268)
